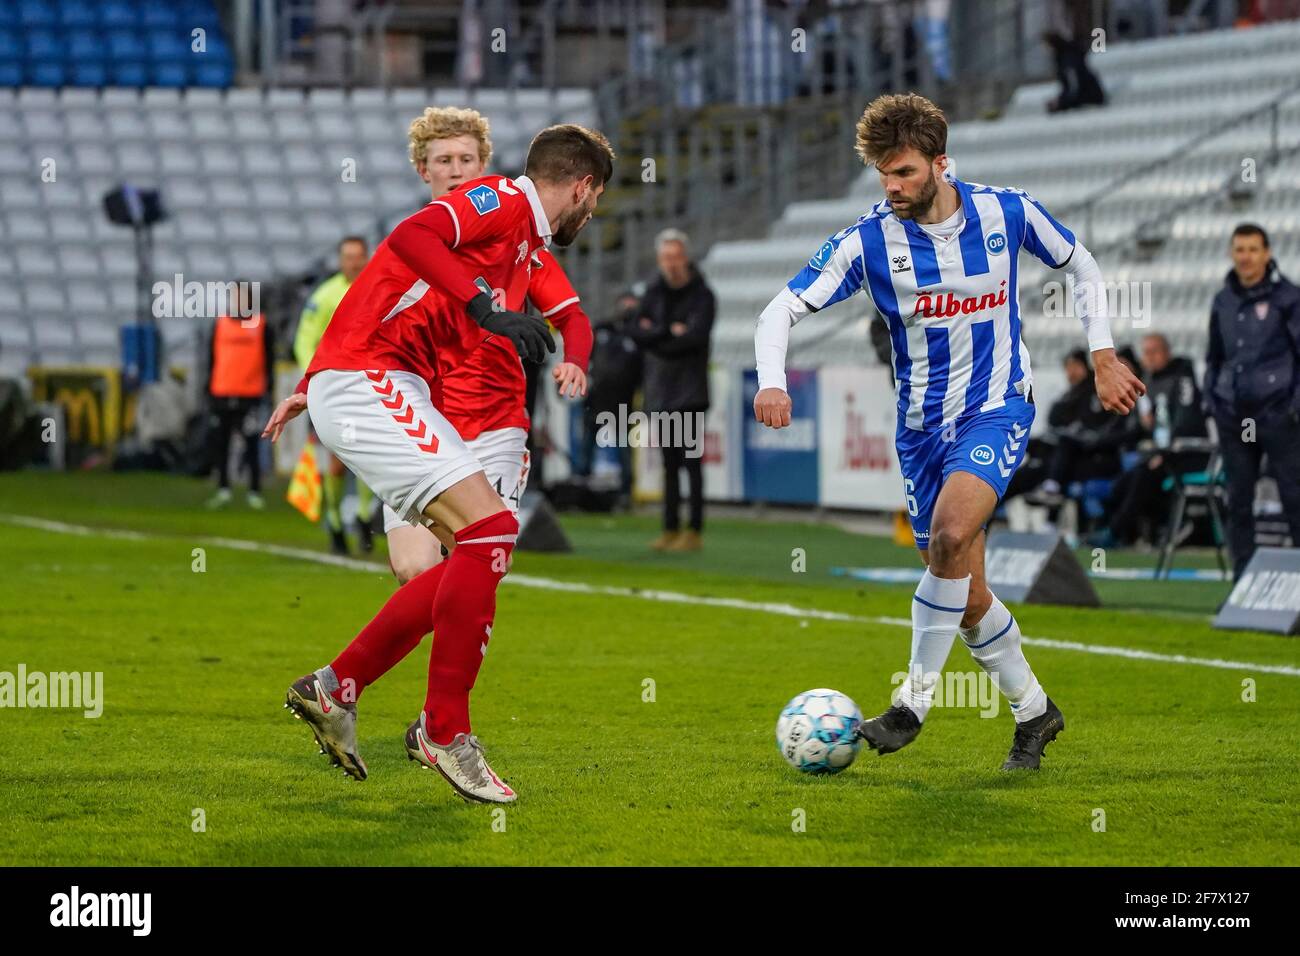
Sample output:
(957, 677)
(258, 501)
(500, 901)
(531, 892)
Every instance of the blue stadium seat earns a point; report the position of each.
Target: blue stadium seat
(126, 45)
(214, 73)
(89, 73)
(128, 73)
(199, 13)
(11, 46)
(78, 13)
(1091, 495)
(119, 13)
(47, 73)
(84, 45)
(167, 46)
(162, 13)
(11, 74)
(170, 74)
(37, 13)
(43, 45)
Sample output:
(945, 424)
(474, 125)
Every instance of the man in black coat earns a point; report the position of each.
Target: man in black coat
(1252, 385)
(673, 330)
(613, 380)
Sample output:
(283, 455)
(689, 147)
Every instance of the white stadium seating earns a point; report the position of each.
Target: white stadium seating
(252, 181)
(1162, 94)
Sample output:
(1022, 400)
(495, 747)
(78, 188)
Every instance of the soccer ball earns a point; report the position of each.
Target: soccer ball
(815, 731)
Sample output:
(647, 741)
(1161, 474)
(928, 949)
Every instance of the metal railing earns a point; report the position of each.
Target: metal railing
(1183, 153)
(729, 172)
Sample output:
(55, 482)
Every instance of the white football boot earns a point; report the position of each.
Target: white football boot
(334, 724)
(461, 764)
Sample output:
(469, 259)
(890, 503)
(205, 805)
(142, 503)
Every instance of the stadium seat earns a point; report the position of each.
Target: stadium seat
(78, 13)
(160, 13)
(12, 47)
(169, 74)
(128, 73)
(37, 13)
(217, 73)
(118, 13)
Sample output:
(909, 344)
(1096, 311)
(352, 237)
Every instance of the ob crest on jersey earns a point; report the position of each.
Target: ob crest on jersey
(484, 198)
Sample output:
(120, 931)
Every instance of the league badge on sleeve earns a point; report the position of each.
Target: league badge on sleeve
(822, 256)
(484, 198)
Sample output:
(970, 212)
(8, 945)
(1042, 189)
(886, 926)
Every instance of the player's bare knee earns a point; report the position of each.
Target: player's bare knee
(407, 567)
(947, 547)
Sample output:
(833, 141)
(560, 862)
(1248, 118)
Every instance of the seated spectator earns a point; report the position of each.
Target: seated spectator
(1170, 410)
(1088, 439)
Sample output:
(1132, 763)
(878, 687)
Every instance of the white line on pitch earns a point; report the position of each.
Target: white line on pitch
(645, 594)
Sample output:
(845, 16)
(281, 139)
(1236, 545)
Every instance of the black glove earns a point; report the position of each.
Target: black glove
(528, 333)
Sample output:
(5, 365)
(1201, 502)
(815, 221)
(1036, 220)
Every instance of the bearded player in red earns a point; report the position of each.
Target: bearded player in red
(433, 293)
(485, 399)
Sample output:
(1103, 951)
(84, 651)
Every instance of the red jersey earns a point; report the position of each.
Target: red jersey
(488, 391)
(406, 311)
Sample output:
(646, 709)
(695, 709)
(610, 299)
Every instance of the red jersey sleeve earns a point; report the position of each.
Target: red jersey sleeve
(575, 328)
(487, 210)
(549, 287)
(423, 243)
(554, 296)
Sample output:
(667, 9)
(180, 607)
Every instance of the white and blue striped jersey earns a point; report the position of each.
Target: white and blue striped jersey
(952, 306)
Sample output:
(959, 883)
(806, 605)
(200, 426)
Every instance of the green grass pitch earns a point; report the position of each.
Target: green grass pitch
(1181, 768)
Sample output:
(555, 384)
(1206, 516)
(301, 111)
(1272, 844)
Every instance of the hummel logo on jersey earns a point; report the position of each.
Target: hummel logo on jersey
(900, 264)
(484, 198)
(1007, 463)
(523, 252)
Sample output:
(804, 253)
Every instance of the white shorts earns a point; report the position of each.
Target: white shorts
(504, 456)
(383, 426)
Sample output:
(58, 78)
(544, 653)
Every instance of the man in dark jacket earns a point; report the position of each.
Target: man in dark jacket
(614, 378)
(673, 330)
(1252, 385)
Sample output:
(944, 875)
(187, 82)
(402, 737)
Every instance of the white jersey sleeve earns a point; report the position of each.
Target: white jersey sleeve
(1044, 238)
(834, 272)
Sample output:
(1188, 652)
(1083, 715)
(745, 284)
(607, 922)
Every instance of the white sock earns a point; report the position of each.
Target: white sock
(937, 608)
(995, 644)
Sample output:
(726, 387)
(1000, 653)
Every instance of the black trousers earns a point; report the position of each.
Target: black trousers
(231, 416)
(1278, 437)
(1071, 461)
(675, 459)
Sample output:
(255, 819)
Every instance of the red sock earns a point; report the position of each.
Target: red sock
(462, 621)
(393, 633)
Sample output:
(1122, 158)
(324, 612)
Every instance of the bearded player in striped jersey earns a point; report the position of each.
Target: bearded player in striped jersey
(938, 259)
